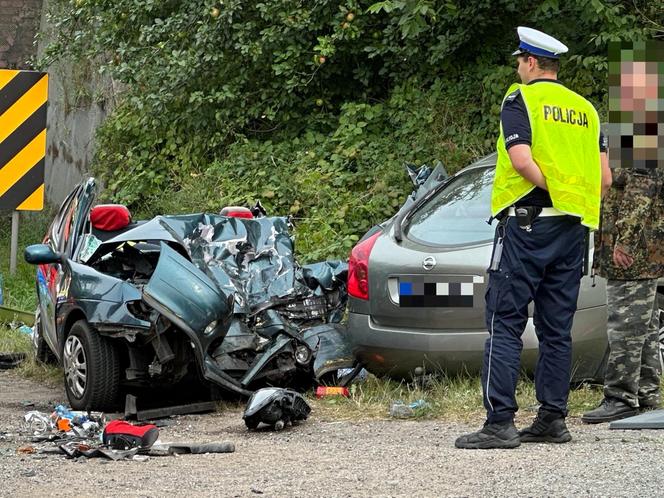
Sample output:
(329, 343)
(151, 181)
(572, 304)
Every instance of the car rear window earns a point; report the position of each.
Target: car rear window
(457, 215)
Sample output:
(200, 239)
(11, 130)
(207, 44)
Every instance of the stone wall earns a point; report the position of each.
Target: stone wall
(19, 22)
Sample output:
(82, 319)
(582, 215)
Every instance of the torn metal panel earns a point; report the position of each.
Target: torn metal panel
(649, 420)
(333, 351)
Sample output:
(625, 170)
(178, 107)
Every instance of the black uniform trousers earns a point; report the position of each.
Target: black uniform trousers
(544, 265)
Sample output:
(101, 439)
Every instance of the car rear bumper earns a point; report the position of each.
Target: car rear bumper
(397, 352)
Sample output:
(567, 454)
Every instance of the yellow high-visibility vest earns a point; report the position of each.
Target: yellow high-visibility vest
(565, 146)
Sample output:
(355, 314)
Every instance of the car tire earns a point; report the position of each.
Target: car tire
(43, 352)
(91, 369)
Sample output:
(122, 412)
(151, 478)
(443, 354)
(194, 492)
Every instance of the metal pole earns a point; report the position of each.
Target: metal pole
(14, 244)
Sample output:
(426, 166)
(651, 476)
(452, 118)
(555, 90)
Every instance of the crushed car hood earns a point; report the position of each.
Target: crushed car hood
(233, 285)
(252, 259)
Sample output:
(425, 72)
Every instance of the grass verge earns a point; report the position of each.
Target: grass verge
(15, 341)
(457, 399)
(19, 289)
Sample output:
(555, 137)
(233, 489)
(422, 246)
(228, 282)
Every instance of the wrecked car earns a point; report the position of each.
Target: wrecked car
(417, 284)
(127, 303)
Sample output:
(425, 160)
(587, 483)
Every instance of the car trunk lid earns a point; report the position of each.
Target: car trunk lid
(425, 287)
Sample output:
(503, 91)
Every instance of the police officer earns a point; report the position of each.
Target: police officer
(550, 175)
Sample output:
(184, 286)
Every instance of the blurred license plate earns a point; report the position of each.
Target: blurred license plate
(456, 291)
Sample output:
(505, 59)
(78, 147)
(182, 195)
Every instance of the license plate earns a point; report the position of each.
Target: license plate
(442, 291)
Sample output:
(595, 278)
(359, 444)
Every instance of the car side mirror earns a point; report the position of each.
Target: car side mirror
(40, 254)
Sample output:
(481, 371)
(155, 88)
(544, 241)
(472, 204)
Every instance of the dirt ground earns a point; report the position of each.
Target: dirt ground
(332, 458)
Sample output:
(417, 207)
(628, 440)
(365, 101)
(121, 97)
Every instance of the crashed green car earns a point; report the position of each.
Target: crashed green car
(128, 304)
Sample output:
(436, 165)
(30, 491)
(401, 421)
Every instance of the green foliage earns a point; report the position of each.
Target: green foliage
(313, 108)
(19, 289)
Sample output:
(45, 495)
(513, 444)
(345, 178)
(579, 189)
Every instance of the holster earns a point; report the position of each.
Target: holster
(525, 215)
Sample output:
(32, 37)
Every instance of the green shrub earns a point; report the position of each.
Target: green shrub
(313, 107)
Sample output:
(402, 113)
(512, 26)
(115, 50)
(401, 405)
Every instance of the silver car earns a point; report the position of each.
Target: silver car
(417, 284)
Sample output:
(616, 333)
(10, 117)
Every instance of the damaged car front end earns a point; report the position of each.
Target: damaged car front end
(125, 304)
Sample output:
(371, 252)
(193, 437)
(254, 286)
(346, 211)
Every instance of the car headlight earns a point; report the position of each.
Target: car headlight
(302, 354)
(210, 328)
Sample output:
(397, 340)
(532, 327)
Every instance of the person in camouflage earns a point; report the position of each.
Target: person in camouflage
(629, 253)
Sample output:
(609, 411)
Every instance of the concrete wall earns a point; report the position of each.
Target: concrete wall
(79, 100)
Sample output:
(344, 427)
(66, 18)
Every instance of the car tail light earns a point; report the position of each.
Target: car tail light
(358, 268)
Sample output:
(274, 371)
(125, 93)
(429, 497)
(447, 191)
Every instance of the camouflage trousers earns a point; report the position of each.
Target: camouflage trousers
(633, 368)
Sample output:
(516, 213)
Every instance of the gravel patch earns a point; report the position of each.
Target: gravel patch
(333, 458)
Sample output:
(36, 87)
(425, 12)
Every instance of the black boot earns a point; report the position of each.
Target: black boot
(497, 435)
(548, 427)
(610, 409)
(648, 405)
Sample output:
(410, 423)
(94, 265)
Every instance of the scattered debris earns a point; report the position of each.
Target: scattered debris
(275, 407)
(191, 448)
(121, 435)
(82, 435)
(325, 391)
(38, 423)
(131, 411)
(399, 409)
(650, 420)
(25, 330)
(352, 375)
(11, 360)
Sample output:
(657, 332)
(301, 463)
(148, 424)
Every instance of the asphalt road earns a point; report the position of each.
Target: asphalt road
(333, 458)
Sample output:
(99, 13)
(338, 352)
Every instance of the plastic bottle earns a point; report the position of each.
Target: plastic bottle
(399, 409)
(25, 329)
(75, 417)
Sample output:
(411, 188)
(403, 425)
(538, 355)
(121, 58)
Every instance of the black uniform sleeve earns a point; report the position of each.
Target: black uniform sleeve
(515, 121)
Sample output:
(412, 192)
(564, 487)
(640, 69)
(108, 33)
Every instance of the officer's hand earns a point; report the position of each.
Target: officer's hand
(621, 258)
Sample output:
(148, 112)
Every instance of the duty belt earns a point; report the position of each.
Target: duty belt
(548, 211)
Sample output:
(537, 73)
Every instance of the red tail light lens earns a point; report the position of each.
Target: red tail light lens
(358, 268)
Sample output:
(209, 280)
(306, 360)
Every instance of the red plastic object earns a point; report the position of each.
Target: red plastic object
(109, 217)
(323, 391)
(358, 268)
(119, 434)
(237, 212)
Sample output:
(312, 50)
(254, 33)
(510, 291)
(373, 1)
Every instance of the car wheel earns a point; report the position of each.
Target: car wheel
(91, 369)
(43, 352)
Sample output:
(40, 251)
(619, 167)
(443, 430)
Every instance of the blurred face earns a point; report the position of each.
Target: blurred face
(639, 84)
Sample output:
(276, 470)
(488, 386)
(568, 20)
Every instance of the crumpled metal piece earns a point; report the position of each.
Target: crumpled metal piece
(254, 260)
(38, 423)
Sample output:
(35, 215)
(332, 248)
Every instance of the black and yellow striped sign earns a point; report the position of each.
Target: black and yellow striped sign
(23, 100)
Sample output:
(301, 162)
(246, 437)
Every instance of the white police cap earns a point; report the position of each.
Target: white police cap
(538, 43)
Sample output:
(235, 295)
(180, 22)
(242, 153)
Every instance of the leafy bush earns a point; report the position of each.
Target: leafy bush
(313, 107)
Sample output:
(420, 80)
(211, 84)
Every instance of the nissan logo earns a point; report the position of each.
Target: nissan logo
(429, 263)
